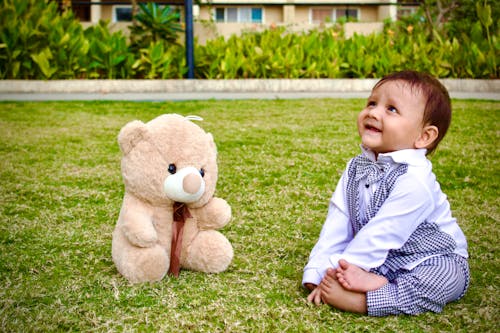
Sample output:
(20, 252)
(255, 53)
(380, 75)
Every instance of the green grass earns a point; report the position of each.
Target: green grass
(279, 161)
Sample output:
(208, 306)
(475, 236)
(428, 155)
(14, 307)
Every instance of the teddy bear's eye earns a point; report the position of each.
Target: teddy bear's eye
(172, 168)
(202, 172)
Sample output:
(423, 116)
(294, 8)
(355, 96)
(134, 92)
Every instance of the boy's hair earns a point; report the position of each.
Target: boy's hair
(437, 110)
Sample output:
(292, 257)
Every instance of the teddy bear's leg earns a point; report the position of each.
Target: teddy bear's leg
(139, 264)
(209, 252)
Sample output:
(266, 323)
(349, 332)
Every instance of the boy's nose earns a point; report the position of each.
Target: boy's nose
(374, 112)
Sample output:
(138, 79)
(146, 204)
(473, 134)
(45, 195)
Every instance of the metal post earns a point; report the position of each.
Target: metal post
(188, 9)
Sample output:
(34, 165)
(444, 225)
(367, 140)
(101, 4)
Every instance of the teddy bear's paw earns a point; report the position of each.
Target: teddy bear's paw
(209, 252)
(146, 237)
(215, 214)
(142, 264)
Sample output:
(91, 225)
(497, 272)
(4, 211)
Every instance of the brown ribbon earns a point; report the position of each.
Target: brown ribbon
(181, 214)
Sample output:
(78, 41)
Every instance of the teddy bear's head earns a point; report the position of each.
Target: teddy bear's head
(169, 159)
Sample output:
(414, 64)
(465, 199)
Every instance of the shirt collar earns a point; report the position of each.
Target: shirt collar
(415, 157)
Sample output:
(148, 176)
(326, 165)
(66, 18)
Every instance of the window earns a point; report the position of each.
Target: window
(122, 14)
(219, 14)
(238, 14)
(407, 8)
(406, 11)
(330, 14)
(232, 15)
(349, 14)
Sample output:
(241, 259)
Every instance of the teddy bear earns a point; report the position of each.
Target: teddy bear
(169, 214)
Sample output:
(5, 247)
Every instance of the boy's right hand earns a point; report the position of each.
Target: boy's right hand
(315, 295)
(310, 286)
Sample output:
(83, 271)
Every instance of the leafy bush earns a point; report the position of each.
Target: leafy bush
(161, 61)
(275, 53)
(461, 55)
(272, 53)
(108, 56)
(154, 38)
(154, 24)
(38, 42)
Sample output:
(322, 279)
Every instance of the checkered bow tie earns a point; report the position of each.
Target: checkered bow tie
(372, 171)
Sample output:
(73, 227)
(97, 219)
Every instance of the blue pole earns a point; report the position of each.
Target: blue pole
(188, 8)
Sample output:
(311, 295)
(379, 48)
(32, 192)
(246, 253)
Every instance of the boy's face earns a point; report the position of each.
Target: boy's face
(392, 119)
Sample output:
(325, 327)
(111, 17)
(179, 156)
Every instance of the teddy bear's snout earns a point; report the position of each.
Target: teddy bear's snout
(191, 183)
(186, 185)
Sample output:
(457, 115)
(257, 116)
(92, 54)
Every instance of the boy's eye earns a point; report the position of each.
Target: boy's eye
(371, 104)
(392, 109)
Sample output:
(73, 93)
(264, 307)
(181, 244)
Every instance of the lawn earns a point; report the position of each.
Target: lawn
(279, 161)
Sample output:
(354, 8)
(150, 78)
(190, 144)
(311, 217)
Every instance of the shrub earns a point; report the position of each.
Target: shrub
(161, 61)
(462, 55)
(38, 42)
(154, 24)
(108, 56)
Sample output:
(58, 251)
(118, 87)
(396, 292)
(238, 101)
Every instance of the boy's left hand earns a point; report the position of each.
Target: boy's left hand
(315, 296)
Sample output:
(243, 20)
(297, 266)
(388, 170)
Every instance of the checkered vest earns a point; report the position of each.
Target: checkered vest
(426, 240)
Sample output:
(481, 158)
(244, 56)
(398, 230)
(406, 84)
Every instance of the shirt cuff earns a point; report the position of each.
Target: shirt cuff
(334, 261)
(311, 276)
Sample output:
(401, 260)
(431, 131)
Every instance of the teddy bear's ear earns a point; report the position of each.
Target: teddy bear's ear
(212, 141)
(130, 135)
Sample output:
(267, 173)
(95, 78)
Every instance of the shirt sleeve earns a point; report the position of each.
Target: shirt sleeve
(333, 239)
(408, 205)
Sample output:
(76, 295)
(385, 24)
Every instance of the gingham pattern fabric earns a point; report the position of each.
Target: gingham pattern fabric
(360, 168)
(425, 241)
(373, 171)
(428, 287)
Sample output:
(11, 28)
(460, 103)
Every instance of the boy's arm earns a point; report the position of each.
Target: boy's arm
(408, 205)
(334, 237)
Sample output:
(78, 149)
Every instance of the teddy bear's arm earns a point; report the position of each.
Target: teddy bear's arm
(137, 223)
(214, 215)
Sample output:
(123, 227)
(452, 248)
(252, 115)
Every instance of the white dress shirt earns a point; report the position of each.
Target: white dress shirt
(415, 198)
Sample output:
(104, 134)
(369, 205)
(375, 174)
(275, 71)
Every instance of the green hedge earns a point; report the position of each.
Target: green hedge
(38, 42)
(275, 53)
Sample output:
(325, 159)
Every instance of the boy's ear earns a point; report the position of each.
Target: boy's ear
(427, 137)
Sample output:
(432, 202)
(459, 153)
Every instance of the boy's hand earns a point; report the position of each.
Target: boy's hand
(310, 286)
(315, 295)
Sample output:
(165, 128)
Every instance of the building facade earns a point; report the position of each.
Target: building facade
(225, 17)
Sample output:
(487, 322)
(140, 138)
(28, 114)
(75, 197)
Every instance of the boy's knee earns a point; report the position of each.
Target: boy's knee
(398, 298)
(447, 281)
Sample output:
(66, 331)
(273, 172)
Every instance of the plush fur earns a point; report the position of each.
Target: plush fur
(142, 237)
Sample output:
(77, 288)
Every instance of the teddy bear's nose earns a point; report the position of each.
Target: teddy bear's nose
(186, 185)
(191, 183)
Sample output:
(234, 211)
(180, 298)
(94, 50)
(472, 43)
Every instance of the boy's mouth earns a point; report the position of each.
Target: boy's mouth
(372, 128)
